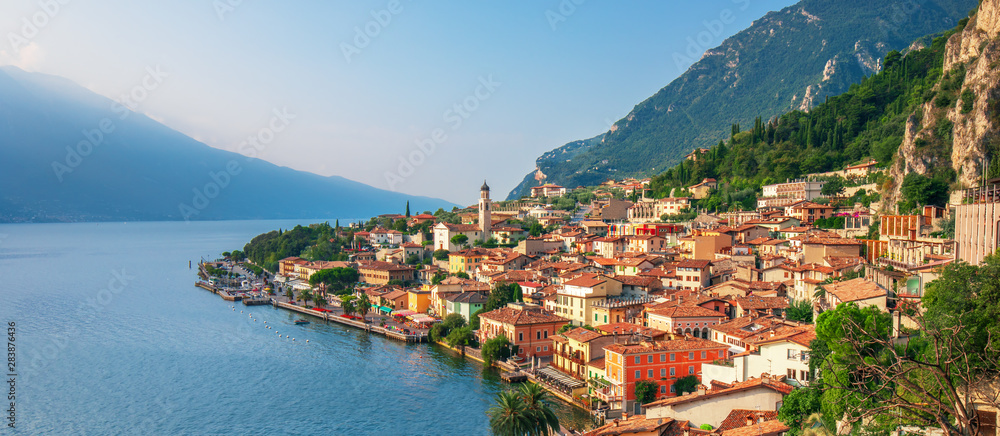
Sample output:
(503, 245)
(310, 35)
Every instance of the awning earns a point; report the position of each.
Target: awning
(385, 309)
(561, 378)
(403, 312)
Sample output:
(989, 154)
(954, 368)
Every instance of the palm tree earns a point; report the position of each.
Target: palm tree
(509, 417)
(348, 306)
(306, 296)
(363, 305)
(536, 402)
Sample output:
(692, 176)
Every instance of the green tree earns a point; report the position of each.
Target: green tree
(797, 406)
(474, 319)
(800, 310)
(407, 209)
(496, 348)
(686, 384)
(539, 408)
(509, 416)
(306, 296)
(347, 304)
(363, 305)
(833, 186)
(645, 391)
(461, 336)
(441, 254)
(460, 239)
(502, 294)
(565, 328)
(438, 277)
(336, 278)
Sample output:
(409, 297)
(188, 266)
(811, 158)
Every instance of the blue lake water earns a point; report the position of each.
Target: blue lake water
(113, 338)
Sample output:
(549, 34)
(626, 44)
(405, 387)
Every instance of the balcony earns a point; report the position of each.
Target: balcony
(607, 395)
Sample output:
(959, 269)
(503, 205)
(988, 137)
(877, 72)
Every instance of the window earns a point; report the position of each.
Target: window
(538, 349)
(663, 389)
(673, 371)
(545, 334)
(672, 357)
(804, 375)
(663, 357)
(704, 354)
(791, 374)
(672, 389)
(520, 337)
(638, 374)
(691, 355)
(637, 359)
(649, 358)
(663, 372)
(793, 354)
(538, 335)
(690, 370)
(722, 354)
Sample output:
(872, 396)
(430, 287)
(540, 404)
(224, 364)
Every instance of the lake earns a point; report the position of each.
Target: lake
(113, 338)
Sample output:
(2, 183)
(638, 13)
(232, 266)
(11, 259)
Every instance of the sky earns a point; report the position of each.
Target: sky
(424, 98)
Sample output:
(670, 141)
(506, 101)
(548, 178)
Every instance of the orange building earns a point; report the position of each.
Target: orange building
(661, 362)
(527, 326)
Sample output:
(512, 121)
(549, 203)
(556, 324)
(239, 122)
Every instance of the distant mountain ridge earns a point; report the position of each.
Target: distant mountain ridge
(786, 60)
(67, 154)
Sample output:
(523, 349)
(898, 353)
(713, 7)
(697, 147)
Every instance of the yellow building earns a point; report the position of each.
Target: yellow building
(466, 261)
(419, 299)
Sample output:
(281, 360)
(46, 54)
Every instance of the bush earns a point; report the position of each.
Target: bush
(497, 348)
(968, 100)
(685, 385)
(441, 254)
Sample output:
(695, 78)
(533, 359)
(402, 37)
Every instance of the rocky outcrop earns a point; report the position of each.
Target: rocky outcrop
(977, 49)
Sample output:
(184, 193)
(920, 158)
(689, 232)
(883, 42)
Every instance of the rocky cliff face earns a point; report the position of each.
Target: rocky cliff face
(976, 51)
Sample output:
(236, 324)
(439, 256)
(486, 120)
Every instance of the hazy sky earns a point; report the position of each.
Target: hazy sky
(526, 76)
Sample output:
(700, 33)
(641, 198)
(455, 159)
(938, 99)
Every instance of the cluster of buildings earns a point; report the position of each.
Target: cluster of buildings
(618, 299)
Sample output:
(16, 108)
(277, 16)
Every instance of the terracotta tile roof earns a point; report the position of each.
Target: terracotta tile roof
(385, 266)
(830, 241)
(738, 418)
(765, 428)
(581, 334)
(692, 263)
(508, 315)
(685, 344)
(628, 328)
(687, 312)
(638, 281)
(801, 335)
(462, 227)
(747, 326)
(854, 290)
(634, 424)
(776, 384)
(756, 303)
(587, 280)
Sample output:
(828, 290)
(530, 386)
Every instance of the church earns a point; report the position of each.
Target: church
(443, 232)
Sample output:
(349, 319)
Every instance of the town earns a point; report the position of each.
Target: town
(654, 316)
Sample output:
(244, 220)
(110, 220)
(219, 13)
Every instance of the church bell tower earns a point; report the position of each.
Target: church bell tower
(485, 218)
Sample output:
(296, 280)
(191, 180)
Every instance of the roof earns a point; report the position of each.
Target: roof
(626, 328)
(692, 263)
(755, 302)
(468, 297)
(634, 424)
(461, 227)
(587, 281)
(738, 418)
(767, 427)
(854, 290)
(831, 241)
(385, 266)
(687, 312)
(776, 384)
(684, 344)
(581, 334)
(802, 335)
(508, 315)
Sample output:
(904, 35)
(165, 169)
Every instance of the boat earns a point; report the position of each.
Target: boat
(301, 321)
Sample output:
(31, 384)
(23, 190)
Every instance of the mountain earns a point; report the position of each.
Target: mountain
(68, 154)
(787, 60)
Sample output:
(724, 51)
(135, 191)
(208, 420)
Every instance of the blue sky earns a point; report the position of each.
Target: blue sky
(527, 76)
